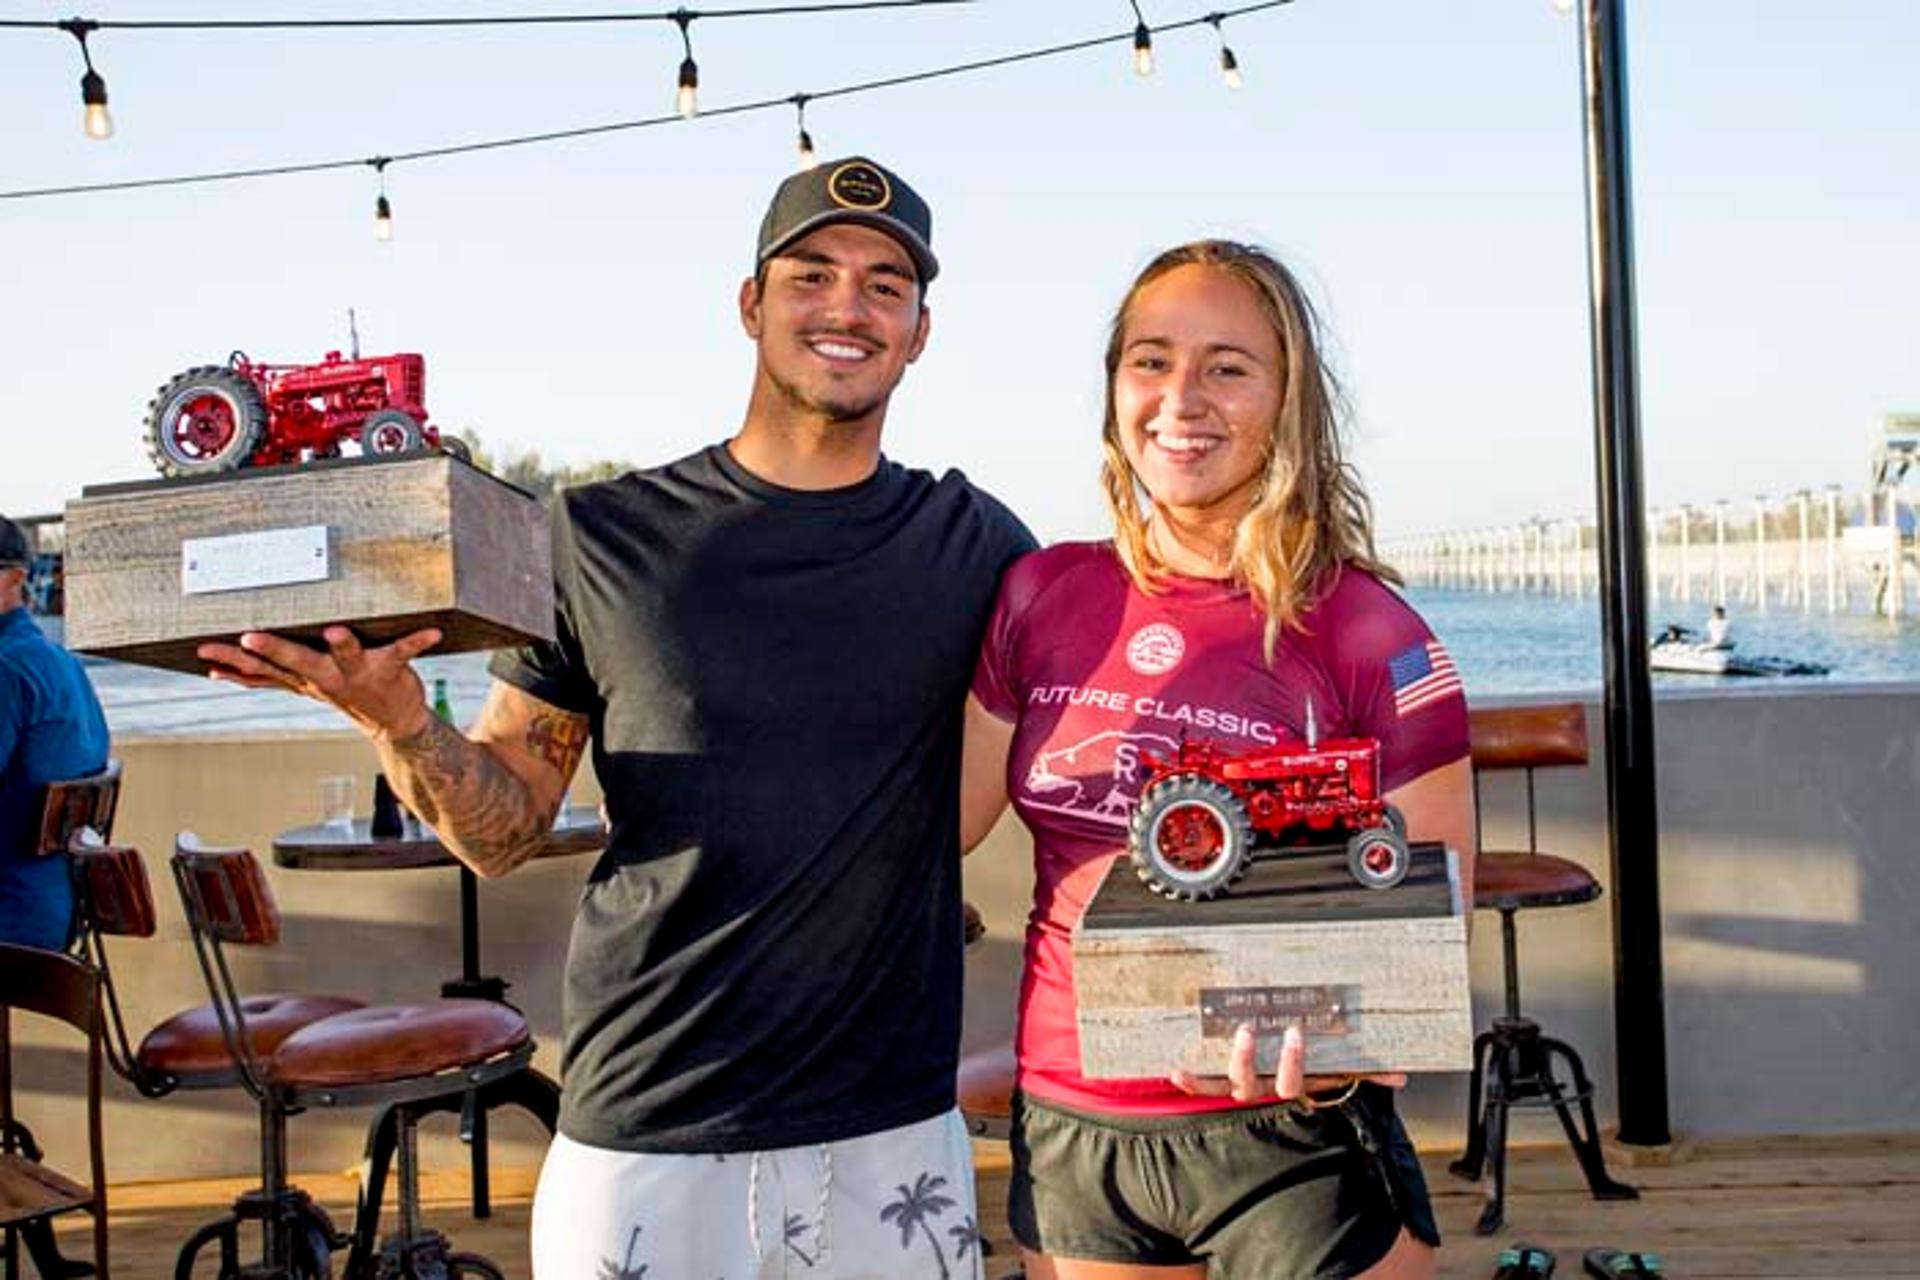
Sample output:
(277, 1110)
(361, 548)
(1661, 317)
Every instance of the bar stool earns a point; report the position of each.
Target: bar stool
(405, 1057)
(1513, 1059)
(114, 898)
(59, 987)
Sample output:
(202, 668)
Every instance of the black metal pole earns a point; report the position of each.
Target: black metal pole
(1633, 829)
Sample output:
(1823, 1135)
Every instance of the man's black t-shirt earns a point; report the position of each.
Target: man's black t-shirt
(768, 953)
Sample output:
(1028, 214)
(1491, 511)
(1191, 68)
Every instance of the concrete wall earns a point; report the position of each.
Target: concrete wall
(1790, 890)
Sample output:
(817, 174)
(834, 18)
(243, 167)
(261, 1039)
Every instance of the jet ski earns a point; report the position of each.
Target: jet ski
(1687, 652)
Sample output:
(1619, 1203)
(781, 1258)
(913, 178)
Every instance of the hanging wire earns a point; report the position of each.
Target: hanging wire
(1142, 42)
(1229, 65)
(382, 207)
(799, 101)
(96, 120)
(623, 126)
(686, 96)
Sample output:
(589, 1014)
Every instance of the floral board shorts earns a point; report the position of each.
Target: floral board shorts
(895, 1205)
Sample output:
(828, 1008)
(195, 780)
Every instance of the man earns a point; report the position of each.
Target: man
(51, 729)
(768, 645)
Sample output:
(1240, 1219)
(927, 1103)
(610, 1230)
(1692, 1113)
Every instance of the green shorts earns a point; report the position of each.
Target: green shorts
(1271, 1192)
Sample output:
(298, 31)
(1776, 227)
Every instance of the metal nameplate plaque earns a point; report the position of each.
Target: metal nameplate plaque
(238, 562)
(1319, 1011)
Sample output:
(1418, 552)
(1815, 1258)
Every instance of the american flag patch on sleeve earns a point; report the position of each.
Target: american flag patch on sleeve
(1422, 675)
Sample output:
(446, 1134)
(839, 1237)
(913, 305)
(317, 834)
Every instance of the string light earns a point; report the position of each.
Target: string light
(477, 20)
(686, 98)
(806, 139)
(1229, 65)
(382, 207)
(551, 136)
(98, 121)
(1142, 42)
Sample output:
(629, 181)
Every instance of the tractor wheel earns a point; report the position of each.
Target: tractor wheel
(390, 431)
(204, 421)
(1378, 857)
(1398, 821)
(1190, 837)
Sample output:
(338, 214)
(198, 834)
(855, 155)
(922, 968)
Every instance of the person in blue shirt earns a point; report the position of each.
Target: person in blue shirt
(51, 729)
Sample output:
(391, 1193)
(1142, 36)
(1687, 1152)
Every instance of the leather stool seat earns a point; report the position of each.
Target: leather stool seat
(1514, 881)
(190, 1048)
(396, 1042)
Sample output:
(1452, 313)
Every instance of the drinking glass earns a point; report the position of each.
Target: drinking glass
(336, 803)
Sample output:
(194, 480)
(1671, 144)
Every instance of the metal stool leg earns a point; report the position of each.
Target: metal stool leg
(227, 1232)
(1585, 1137)
(1468, 1165)
(1500, 1089)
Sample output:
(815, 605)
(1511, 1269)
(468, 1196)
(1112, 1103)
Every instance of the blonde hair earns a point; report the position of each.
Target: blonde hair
(1309, 514)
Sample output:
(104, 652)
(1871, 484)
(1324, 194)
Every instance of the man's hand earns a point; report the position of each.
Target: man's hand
(1242, 1082)
(376, 688)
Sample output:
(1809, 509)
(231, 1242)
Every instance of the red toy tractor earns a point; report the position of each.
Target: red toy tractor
(1193, 831)
(213, 419)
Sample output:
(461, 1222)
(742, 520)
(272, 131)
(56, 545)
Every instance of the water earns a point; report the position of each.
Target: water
(1519, 643)
(1503, 644)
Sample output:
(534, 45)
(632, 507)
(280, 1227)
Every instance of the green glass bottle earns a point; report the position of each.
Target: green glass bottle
(441, 706)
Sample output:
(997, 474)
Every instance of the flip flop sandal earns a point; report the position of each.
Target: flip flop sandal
(1621, 1264)
(1524, 1262)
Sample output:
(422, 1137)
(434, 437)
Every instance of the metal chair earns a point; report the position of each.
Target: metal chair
(53, 986)
(405, 1057)
(1513, 1062)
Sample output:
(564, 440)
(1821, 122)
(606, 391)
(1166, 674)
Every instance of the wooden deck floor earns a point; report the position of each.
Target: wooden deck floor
(1772, 1208)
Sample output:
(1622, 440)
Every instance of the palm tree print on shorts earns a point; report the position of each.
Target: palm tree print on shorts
(967, 1240)
(797, 1227)
(611, 1270)
(916, 1208)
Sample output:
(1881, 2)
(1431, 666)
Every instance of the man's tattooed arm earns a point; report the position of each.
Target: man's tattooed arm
(492, 797)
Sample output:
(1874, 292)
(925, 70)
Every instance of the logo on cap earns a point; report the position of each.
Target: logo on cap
(859, 186)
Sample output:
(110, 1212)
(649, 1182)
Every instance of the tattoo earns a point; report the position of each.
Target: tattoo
(480, 808)
(558, 739)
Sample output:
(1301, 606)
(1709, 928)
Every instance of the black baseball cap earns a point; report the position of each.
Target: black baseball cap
(852, 190)
(13, 545)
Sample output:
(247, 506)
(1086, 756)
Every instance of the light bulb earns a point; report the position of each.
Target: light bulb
(686, 99)
(1143, 50)
(1230, 68)
(382, 220)
(93, 93)
(806, 150)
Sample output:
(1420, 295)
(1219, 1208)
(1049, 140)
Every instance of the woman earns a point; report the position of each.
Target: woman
(1239, 595)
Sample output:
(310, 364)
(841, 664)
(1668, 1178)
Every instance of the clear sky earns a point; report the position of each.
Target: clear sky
(1420, 162)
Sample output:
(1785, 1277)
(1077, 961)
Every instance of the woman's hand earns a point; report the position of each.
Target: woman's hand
(1242, 1082)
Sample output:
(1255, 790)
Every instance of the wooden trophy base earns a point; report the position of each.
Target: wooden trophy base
(1377, 978)
(382, 545)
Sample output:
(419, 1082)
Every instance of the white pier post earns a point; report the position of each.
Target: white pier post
(1805, 499)
(1653, 554)
(1686, 554)
(1834, 593)
(1720, 552)
(1760, 551)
